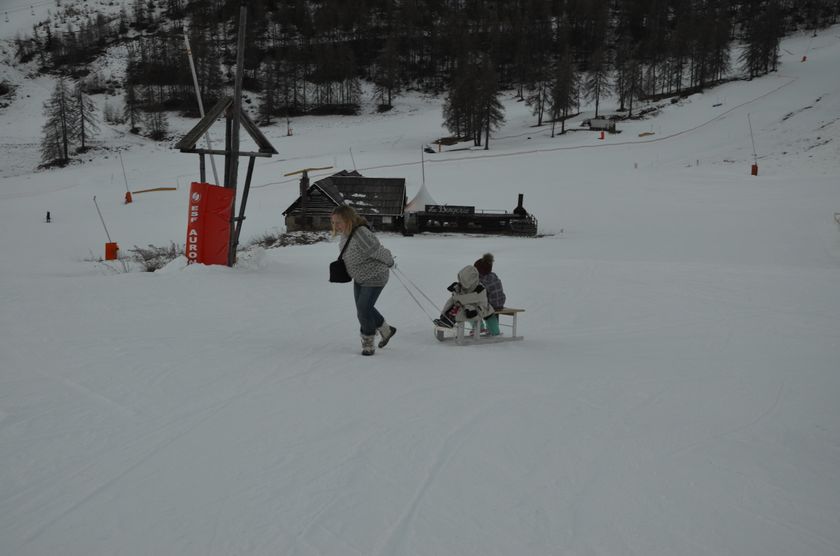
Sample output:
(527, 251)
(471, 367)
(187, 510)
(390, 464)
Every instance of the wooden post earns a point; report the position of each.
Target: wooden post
(236, 108)
(228, 148)
(244, 202)
(200, 105)
(235, 119)
(233, 152)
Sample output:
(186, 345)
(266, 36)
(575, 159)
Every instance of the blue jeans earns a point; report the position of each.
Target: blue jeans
(369, 318)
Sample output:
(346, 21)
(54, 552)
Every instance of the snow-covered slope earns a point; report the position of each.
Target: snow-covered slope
(676, 391)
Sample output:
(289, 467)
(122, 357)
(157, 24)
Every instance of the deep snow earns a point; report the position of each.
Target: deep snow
(676, 392)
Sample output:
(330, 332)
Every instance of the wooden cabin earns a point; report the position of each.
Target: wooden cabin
(381, 201)
(602, 124)
(467, 219)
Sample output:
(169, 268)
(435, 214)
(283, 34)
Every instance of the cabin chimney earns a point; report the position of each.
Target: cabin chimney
(519, 208)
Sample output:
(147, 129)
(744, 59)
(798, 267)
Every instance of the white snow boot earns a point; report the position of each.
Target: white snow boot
(386, 331)
(367, 345)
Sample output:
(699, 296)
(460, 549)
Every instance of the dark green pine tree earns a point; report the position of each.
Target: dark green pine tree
(719, 61)
(268, 95)
(131, 110)
(762, 34)
(210, 71)
(678, 47)
(122, 21)
(702, 32)
(623, 58)
(58, 109)
(131, 99)
(86, 123)
(632, 84)
(538, 98)
(597, 84)
(175, 9)
(564, 91)
(458, 106)
(53, 147)
(386, 75)
(157, 124)
(139, 14)
(489, 110)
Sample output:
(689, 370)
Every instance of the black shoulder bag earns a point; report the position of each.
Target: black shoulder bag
(338, 270)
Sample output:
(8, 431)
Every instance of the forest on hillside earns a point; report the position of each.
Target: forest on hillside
(310, 56)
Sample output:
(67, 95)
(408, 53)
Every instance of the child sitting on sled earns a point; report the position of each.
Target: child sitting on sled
(495, 292)
(468, 300)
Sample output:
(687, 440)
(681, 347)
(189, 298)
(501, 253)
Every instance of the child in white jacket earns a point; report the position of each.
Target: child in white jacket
(468, 300)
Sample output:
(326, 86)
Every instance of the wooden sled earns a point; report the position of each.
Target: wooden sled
(461, 335)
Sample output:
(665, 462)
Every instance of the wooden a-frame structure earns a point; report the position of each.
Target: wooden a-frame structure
(264, 149)
(235, 116)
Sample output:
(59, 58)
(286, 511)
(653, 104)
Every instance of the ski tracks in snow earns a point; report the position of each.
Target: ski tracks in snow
(64, 494)
(397, 536)
(734, 430)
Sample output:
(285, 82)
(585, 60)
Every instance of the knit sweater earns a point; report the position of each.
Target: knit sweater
(366, 259)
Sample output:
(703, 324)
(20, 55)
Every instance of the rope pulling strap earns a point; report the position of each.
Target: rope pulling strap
(400, 276)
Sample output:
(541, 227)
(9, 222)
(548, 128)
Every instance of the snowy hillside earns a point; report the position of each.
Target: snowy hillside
(676, 392)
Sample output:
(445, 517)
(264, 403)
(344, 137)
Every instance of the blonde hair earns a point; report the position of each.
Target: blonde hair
(348, 215)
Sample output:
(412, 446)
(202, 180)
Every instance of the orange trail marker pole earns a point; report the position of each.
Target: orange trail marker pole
(125, 178)
(102, 219)
(754, 169)
(110, 247)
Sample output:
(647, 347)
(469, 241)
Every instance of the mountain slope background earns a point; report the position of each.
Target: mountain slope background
(675, 393)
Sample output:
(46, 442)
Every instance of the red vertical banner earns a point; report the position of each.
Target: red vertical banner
(208, 223)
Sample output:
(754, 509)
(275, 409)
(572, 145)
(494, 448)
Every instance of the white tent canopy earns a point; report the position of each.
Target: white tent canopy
(419, 202)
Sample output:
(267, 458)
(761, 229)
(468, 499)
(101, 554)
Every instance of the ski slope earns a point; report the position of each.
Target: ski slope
(676, 392)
